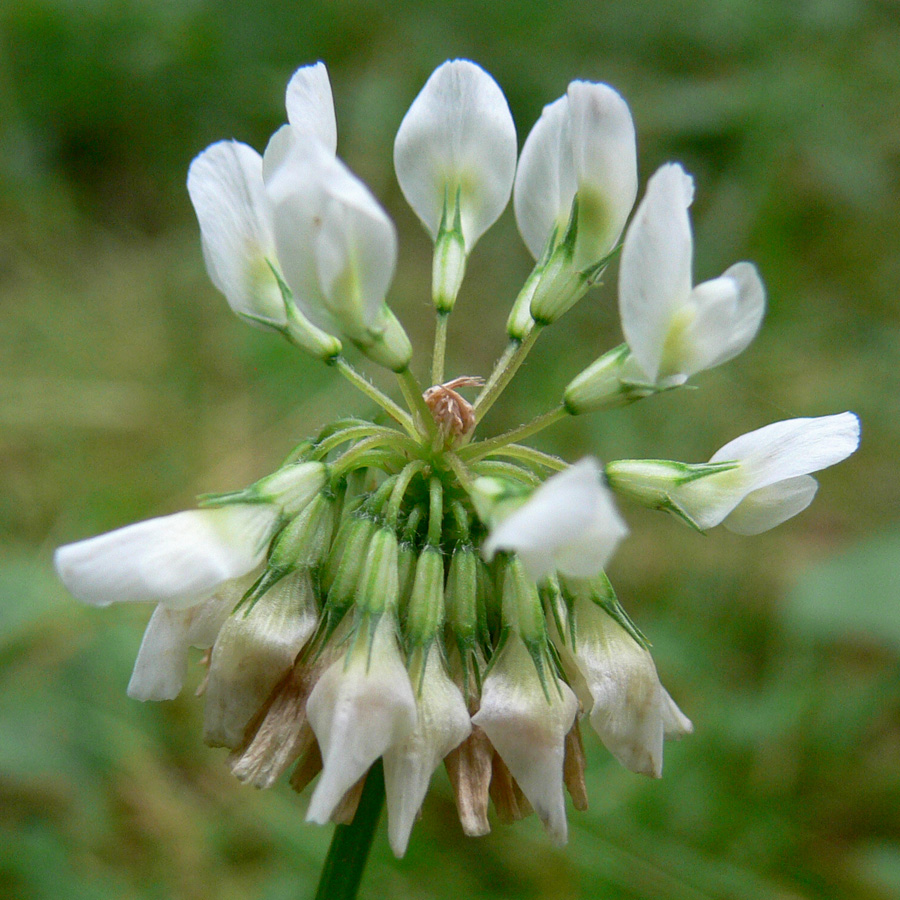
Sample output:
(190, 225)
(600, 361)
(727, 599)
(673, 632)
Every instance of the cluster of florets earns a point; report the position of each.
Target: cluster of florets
(399, 590)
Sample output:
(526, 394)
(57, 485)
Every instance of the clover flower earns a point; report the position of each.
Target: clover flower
(401, 592)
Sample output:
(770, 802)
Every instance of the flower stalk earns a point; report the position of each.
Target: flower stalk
(348, 853)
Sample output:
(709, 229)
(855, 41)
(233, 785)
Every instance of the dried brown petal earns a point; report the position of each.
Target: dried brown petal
(573, 768)
(279, 734)
(509, 801)
(309, 766)
(469, 768)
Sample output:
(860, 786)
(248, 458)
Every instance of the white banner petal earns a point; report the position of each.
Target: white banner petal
(310, 105)
(442, 725)
(545, 179)
(253, 651)
(655, 269)
(793, 447)
(359, 708)
(457, 135)
(226, 188)
(604, 154)
(528, 729)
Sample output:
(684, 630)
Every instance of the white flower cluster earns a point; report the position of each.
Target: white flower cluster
(400, 591)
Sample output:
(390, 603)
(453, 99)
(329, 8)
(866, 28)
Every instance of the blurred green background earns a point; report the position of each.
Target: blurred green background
(127, 387)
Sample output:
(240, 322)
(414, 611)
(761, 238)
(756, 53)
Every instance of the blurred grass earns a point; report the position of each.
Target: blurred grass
(127, 387)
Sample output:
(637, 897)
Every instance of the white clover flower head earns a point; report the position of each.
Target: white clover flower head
(406, 590)
(570, 524)
(674, 329)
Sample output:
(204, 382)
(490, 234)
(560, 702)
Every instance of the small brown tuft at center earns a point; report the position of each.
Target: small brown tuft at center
(454, 414)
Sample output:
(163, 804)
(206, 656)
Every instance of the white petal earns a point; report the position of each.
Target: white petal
(655, 270)
(570, 523)
(605, 162)
(545, 180)
(458, 134)
(767, 507)
(794, 447)
(675, 723)
(252, 653)
(442, 725)
(528, 730)
(727, 313)
(356, 251)
(277, 150)
(630, 712)
(176, 560)
(161, 663)
(359, 708)
(295, 189)
(337, 245)
(310, 106)
(226, 187)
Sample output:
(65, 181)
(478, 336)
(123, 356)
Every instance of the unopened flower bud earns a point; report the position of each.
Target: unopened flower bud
(519, 321)
(560, 286)
(292, 487)
(425, 611)
(389, 346)
(378, 589)
(346, 561)
(613, 380)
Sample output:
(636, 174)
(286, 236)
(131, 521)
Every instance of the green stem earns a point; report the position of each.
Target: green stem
(355, 433)
(495, 468)
(492, 445)
(531, 457)
(499, 367)
(463, 475)
(503, 373)
(440, 346)
(349, 850)
(350, 459)
(361, 383)
(412, 394)
(399, 491)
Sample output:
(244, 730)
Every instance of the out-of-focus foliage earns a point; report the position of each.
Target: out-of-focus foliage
(127, 387)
